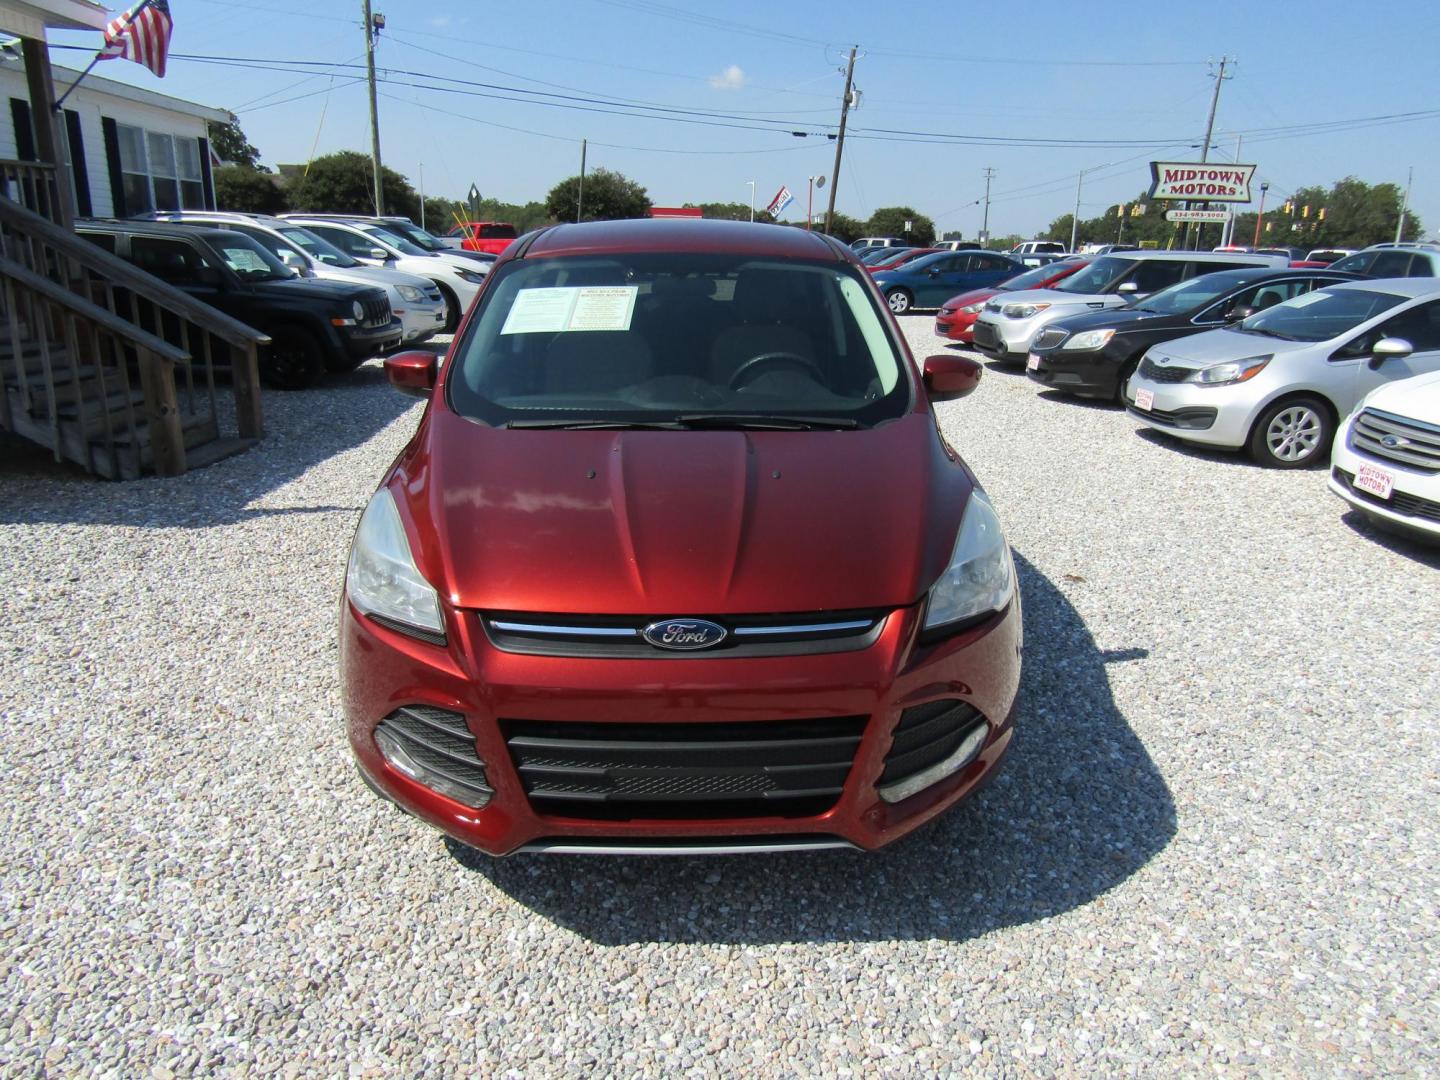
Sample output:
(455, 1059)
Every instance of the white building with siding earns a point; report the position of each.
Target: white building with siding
(130, 149)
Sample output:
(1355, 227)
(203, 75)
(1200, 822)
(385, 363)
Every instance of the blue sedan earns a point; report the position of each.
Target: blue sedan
(928, 282)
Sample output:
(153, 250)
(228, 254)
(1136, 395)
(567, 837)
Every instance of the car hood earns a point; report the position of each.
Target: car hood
(1056, 298)
(1122, 318)
(317, 289)
(1416, 398)
(974, 296)
(1222, 346)
(687, 522)
(375, 275)
(456, 261)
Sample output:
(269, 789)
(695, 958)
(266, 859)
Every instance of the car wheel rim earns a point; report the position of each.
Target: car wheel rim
(1294, 433)
(899, 304)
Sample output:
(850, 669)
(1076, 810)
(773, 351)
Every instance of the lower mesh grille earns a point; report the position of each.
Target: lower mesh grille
(927, 735)
(441, 742)
(757, 768)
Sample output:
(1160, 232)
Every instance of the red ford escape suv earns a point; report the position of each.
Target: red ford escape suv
(678, 560)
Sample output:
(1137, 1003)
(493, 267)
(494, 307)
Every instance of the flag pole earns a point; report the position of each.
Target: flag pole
(99, 55)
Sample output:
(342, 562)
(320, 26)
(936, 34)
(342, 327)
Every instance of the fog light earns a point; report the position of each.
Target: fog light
(406, 760)
(965, 753)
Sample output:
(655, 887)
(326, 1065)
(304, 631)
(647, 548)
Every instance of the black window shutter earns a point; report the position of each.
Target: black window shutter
(112, 160)
(205, 177)
(76, 138)
(24, 129)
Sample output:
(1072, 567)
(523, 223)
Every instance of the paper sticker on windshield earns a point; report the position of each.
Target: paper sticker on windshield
(243, 260)
(571, 309)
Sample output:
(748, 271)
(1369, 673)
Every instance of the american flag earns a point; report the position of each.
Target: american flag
(142, 34)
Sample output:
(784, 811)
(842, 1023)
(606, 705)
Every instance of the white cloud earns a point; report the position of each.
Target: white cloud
(440, 21)
(732, 78)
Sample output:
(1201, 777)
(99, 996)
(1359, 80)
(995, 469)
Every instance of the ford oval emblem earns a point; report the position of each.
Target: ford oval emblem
(683, 634)
(1394, 442)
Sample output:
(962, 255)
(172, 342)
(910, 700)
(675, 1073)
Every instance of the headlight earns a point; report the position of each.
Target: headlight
(973, 309)
(981, 575)
(1236, 371)
(409, 292)
(359, 310)
(383, 581)
(1089, 340)
(1022, 311)
(470, 276)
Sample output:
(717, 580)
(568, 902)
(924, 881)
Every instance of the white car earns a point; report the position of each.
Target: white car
(415, 301)
(1386, 461)
(459, 278)
(1009, 324)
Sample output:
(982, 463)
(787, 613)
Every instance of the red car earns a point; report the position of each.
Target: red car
(678, 561)
(904, 257)
(957, 317)
(490, 237)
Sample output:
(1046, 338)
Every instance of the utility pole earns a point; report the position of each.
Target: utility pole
(372, 24)
(1404, 206)
(1075, 217)
(1209, 131)
(422, 194)
(580, 197)
(751, 185)
(840, 139)
(985, 222)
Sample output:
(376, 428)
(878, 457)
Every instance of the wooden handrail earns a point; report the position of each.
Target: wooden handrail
(122, 273)
(94, 312)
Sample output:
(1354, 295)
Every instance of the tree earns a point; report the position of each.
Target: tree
(843, 227)
(1356, 214)
(344, 183)
(608, 197)
(230, 145)
(248, 191)
(732, 211)
(891, 220)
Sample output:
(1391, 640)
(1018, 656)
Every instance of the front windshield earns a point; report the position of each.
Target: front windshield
(399, 243)
(1319, 315)
(318, 248)
(416, 235)
(1187, 296)
(1098, 276)
(1030, 279)
(678, 341)
(249, 260)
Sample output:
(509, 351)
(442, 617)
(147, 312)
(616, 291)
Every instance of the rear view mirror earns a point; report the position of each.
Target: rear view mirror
(949, 377)
(1390, 348)
(412, 372)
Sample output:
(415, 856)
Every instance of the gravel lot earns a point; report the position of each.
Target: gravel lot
(1213, 849)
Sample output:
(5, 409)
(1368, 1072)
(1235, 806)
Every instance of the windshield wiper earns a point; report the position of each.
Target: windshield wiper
(1265, 333)
(598, 425)
(772, 422)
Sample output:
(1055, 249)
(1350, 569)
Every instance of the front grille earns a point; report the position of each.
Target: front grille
(1398, 503)
(759, 768)
(746, 635)
(985, 334)
(377, 312)
(1417, 445)
(1163, 373)
(1197, 418)
(926, 736)
(441, 741)
(1048, 339)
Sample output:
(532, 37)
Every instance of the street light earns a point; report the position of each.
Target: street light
(751, 185)
(1264, 187)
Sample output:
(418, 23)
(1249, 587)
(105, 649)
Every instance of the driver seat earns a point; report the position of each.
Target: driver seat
(765, 306)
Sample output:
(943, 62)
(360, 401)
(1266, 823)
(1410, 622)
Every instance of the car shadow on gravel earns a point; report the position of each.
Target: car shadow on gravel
(1077, 808)
(1413, 548)
(303, 428)
(1097, 404)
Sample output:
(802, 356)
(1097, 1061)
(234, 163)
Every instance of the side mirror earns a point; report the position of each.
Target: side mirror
(1129, 288)
(412, 372)
(1244, 311)
(378, 253)
(934, 271)
(1390, 348)
(949, 377)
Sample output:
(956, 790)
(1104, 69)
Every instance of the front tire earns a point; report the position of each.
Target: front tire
(452, 307)
(1126, 370)
(900, 301)
(1292, 434)
(295, 359)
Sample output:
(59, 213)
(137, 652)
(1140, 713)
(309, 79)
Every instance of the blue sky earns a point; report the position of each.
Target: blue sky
(1058, 71)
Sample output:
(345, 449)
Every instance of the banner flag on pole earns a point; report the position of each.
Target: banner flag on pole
(782, 199)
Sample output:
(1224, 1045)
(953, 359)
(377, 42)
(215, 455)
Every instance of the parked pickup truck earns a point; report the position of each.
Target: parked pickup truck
(489, 236)
(314, 326)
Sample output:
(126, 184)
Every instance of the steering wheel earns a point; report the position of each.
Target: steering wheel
(770, 359)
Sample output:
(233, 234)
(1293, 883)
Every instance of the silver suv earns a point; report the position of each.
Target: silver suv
(1393, 260)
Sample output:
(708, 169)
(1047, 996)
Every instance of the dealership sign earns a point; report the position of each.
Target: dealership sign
(1205, 216)
(1202, 182)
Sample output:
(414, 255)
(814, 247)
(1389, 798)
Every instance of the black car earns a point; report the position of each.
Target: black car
(314, 326)
(1093, 355)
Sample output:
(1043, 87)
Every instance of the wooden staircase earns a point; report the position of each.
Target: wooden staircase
(108, 366)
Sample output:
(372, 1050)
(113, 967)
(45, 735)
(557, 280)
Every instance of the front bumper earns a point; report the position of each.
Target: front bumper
(1006, 339)
(1213, 415)
(422, 321)
(495, 690)
(1414, 500)
(363, 342)
(1095, 373)
(957, 326)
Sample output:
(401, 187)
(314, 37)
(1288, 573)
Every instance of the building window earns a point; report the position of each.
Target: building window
(159, 171)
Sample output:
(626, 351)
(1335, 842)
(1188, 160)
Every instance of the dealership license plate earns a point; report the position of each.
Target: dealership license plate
(1145, 399)
(1377, 482)
(1032, 364)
